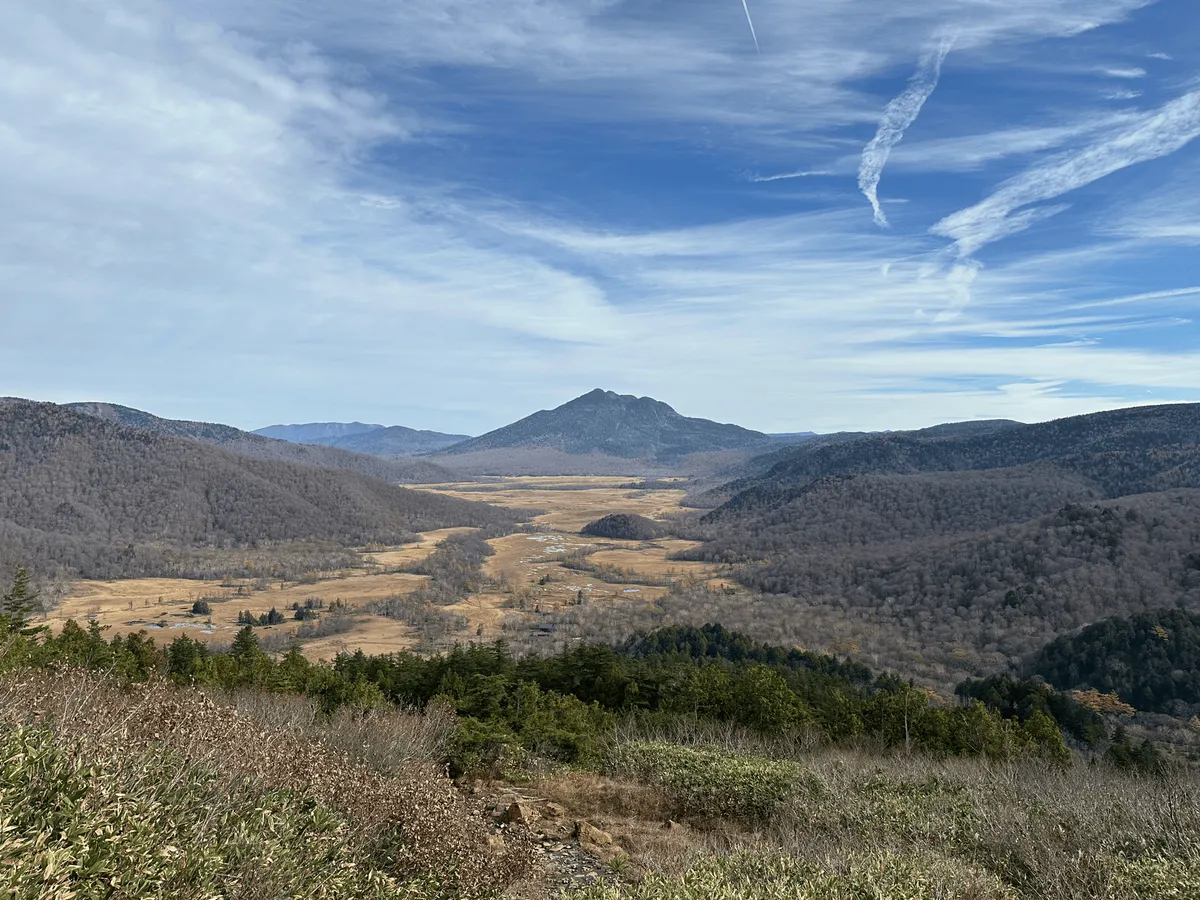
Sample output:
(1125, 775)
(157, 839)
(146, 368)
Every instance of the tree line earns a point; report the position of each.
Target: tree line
(564, 707)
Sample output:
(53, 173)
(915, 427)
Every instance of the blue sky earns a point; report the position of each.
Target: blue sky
(449, 214)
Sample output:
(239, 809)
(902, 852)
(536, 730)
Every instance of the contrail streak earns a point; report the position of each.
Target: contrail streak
(897, 117)
(746, 7)
(758, 179)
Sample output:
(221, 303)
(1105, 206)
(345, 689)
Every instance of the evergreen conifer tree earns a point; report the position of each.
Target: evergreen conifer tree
(18, 604)
(245, 646)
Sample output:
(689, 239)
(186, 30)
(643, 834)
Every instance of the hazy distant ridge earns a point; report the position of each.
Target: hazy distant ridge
(314, 432)
(256, 446)
(377, 440)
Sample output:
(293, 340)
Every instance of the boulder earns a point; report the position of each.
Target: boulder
(586, 833)
(521, 813)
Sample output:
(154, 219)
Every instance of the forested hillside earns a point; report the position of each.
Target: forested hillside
(89, 497)
(256, 446)
(624, 527)
(1125, 451)
(975, 545)
(1151, 661)
(862, 510)
(749, 473)
(994, 595)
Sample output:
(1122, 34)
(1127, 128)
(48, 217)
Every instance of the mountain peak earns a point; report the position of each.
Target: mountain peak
(620, 425)
(600, 395)
(602, 398)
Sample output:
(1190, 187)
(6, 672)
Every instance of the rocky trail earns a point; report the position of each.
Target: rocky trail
(573, 852)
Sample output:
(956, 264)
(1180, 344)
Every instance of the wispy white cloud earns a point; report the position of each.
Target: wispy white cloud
(192, 190)
(1130, 72)
(1168, 215)
(971, 152)
(898, 115)
(168, 186)
(672, 63)
(1138, 299)
(1005, 212)
(813, 299)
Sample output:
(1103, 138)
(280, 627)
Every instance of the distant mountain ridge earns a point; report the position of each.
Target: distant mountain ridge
(377, 440)
(616, 425)
(256, 446)
(750, 473)
(315, 432)
(398, 440)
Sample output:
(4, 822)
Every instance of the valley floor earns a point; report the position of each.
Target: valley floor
(526, 581)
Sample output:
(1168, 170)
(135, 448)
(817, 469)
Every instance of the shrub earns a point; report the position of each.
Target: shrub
(1143, 758)
(271, 617)
(201, 608)
(755, 876)
(485, 748)
(415, 825)
(87, 823)
(710, 783)
(389, 740)
(502, 724)
(1153, 877)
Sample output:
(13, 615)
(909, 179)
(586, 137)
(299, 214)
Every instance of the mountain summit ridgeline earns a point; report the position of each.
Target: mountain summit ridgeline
(620, 425)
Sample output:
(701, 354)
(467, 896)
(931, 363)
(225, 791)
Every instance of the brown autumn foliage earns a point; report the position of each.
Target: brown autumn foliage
(1107, 704)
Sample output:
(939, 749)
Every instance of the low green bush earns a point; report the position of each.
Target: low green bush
(502, 727)
(886, 875)
(712, 783)
(753, 876)
(1154, 877)
(488, 749)
(77, 822)
(889, 809)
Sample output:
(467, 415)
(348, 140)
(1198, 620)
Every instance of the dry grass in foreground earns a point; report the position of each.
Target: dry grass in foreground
(156, 791)
(714, 823)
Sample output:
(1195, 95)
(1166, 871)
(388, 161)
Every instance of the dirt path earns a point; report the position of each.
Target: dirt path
(566, 861)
